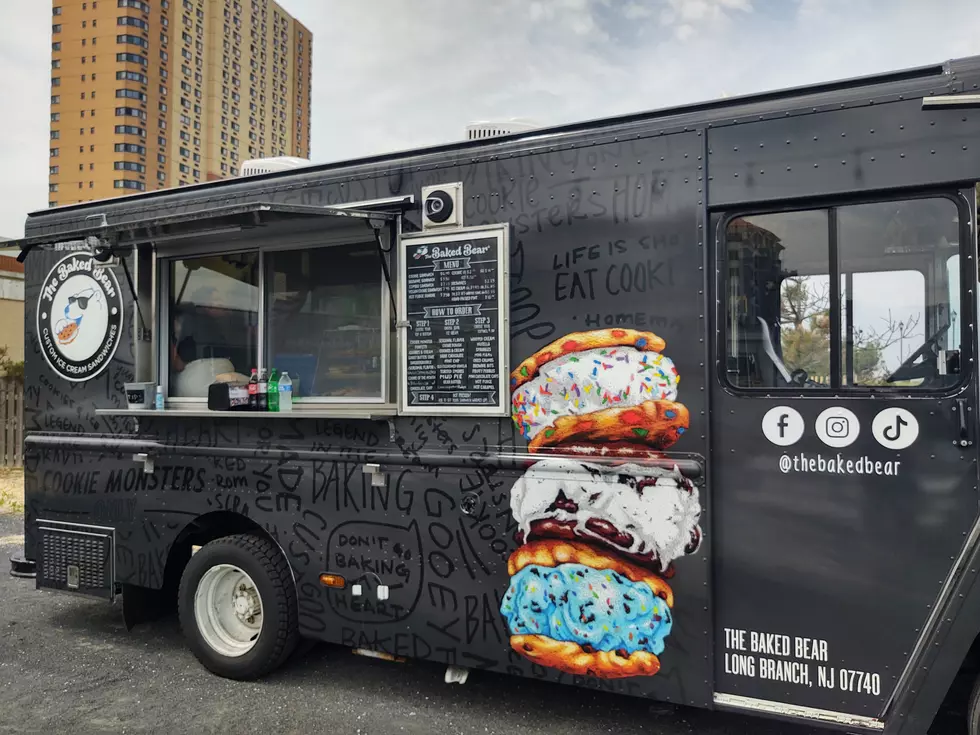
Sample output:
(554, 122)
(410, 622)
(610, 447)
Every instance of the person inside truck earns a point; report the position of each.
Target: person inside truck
(183, 348)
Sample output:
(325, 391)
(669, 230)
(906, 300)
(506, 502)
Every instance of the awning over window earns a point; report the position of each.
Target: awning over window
(203, 221)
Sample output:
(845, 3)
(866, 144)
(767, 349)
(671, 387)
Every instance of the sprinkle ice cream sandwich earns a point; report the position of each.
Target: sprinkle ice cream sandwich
(608, 392)
(572, 608)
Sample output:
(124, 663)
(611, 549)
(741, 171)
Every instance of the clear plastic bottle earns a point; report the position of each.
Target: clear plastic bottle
(159, 398)
(285, 392)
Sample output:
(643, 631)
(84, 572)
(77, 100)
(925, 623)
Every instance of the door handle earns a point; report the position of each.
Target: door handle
(961, 408)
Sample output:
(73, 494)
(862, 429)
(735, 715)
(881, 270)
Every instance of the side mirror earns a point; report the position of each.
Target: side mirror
(948, 362)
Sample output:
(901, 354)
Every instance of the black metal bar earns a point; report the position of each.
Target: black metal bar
(132, 290)
(235, 210)
(835, 321)
(517, 461)
(849, 333)
(384, 266)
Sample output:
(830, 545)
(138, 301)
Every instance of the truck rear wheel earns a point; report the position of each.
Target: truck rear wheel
(973, 712)
(237, 606)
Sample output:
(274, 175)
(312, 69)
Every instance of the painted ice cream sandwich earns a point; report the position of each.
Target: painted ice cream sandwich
(599, 525)
(608, 392)
(572, 608)
(647, 515)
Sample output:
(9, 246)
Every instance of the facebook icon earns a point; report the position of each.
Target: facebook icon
(783, 426)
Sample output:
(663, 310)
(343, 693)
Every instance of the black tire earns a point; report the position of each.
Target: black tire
(973, 712)
(264, 563)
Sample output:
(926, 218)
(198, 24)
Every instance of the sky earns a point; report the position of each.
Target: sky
(395, 74)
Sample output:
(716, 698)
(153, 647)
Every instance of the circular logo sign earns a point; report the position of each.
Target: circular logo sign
(895, 428)
(783, 425)
(837, 427)
(79, 317)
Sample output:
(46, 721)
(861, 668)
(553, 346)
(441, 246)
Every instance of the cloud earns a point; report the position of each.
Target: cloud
(390, 75)
(635, 11)
(685, 16)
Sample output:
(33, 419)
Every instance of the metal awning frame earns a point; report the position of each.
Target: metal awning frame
(107, 236)
(104, 238)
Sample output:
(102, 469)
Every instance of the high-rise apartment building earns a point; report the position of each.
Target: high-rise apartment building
(149, 94)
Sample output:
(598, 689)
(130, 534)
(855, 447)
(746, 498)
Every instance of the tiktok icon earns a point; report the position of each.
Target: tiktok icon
(895, 428)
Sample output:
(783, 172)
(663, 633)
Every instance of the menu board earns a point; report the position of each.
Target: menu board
(453, 336)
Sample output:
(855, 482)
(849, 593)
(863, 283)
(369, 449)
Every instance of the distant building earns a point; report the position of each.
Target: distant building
(12, 306)
(161, 93)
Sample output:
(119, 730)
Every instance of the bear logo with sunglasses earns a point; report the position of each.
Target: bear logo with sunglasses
(79, 317)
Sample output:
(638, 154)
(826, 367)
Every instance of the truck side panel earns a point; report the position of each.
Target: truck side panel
(827, 574)
(603, 236)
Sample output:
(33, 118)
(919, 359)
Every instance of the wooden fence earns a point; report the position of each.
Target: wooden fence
(11, 423)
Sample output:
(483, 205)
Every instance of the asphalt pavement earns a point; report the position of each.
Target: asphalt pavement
(68, 665)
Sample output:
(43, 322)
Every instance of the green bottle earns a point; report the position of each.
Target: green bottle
(274, 390)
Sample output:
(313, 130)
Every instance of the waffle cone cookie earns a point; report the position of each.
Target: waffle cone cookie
(579, 610)
(572, 658)
(624, 430)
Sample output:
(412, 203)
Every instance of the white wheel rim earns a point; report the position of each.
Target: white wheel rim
(228, 610)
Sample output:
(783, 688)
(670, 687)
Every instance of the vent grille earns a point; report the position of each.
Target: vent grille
(257, 166)
(482, 130)
(85, 548)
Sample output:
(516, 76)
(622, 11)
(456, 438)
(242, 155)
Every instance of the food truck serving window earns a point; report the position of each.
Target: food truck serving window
(318, 311)
(857, 296)
(324, 319)
(213, 315)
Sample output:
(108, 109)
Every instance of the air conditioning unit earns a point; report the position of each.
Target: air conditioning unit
(442, 206)
(493, 128)
(256, 166)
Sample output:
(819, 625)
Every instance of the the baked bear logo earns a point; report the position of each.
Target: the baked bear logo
(601, 521)
(86, 302)
(79, 317)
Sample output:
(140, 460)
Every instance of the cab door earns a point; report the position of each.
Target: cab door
(842, 444)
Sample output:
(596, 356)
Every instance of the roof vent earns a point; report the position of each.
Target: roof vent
(270, 165)
(493, 128)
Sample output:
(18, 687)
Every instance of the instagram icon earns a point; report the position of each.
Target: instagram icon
(837, 427)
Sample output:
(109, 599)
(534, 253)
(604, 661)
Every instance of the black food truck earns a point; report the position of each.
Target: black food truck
(680, 404)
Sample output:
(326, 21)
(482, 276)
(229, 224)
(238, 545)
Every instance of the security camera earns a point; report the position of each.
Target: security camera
(442, 206)
(101, 250)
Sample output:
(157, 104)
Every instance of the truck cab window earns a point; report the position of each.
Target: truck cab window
(213, 316)
(862, 295)
(804, 326)
(953, 279)
(778, 298)
(883, 331)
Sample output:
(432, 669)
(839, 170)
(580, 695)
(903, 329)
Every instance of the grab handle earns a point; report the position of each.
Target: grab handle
(962, 409)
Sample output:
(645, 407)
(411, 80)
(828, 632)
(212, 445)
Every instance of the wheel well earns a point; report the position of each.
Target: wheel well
(957, 697)
(198, 532)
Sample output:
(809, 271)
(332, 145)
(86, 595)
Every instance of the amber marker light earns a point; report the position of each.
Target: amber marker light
(333, 580)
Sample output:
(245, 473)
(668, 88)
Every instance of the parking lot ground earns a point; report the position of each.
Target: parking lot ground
(68, 665)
